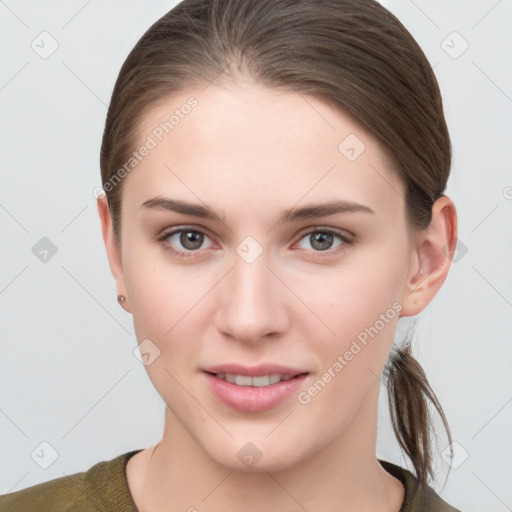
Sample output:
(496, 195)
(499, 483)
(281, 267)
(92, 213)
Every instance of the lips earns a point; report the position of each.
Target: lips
(255, 388)
(255, 371)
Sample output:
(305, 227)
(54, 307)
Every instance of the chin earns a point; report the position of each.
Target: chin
(259, 455)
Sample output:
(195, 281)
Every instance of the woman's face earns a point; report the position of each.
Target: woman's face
(271, 281)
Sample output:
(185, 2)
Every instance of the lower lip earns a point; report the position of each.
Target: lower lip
(251, 398)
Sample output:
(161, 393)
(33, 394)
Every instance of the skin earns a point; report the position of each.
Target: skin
(248, 152)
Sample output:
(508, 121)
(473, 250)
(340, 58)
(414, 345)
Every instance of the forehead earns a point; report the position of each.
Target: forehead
(237, 145)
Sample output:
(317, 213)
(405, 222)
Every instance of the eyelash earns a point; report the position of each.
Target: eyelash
(346, 241)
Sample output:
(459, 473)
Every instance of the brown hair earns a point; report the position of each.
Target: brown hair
(353, 54)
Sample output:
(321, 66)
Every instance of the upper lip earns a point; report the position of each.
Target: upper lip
(254, 371)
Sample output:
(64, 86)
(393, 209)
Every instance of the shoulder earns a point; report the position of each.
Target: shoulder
(417, 498)
(102, 488)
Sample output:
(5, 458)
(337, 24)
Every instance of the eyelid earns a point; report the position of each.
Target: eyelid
(164, 233)
(337, 231)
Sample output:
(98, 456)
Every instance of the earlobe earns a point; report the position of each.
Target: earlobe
(113, 249)
(433, 255)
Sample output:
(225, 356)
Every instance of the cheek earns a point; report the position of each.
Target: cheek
(362, 286)
(360, 302)
(363, 312)
(163, 294)
(168, 305)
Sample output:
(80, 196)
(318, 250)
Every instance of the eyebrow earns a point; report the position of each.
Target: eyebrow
(312, 211)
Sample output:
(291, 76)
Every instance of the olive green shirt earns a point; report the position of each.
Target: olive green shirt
(104, 488)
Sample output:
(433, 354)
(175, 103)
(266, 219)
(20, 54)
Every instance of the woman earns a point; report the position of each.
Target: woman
(274, 176)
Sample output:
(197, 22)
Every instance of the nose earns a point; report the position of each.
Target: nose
(253, 302)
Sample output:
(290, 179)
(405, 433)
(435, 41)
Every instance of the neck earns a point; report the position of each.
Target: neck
(344, 475)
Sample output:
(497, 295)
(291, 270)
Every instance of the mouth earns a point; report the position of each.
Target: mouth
(257, 381)
(254, 389)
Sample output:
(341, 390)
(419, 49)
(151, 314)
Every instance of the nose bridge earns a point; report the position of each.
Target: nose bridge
(251, 303)
(251, 280)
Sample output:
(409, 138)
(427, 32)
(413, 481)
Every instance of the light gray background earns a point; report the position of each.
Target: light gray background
(68, 374)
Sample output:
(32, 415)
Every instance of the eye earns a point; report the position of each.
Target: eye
(322, 240)
(183, 241)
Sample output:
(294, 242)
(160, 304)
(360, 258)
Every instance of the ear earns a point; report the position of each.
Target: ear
(431, 257)
(113, 249)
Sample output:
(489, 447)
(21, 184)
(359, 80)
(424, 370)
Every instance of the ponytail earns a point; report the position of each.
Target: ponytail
(410, 396)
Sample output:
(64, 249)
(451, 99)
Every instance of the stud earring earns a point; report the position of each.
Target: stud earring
(122, 301)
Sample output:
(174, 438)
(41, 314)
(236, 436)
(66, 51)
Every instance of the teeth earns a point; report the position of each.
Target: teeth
(246, 380)
(243, 380)
(259, 382)
(274, 378)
